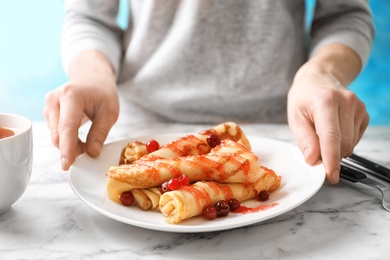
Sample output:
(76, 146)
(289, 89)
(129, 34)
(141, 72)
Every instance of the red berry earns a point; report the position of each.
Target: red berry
(184, 180)
(222, 208)
(127, 198)
(176, 183)
(263, 195)
(164, 187)
(213, 140)
(210, 212)
(234, 204)
(152, 146)
(173, 184)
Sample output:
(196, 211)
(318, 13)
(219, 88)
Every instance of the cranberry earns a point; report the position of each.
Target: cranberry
(184, 180)
(234, 204)
(173, 184)
(263, 195)
(222, 208)
(176, 183)
(164, 187)
(152, 146)
(127, 198)
(213, 140)
(210, 212)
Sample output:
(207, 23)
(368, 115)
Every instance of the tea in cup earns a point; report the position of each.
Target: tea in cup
(16, 153)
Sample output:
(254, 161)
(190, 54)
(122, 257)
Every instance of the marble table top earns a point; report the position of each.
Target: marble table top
(343, 221)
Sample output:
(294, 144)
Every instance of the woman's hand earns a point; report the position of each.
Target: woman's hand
(90, 94)
(326, 119)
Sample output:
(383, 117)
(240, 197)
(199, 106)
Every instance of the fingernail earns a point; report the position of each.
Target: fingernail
(98, 145)
(64, 163)
(306, 153)
(335, 176)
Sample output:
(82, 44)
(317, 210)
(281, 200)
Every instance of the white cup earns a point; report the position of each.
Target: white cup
(16, 154)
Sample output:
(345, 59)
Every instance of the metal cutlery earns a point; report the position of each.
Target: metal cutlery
(354, 174)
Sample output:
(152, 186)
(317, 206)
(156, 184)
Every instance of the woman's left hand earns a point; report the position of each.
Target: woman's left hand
(326, 118)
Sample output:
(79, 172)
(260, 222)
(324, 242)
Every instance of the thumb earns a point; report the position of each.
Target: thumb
(97, 136)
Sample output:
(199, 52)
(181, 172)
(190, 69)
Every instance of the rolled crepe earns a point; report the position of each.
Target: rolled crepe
(189, 201)
(229, 162)
(147, 199)
(188, 145)
(132, 152)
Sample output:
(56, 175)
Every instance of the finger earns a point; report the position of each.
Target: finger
(362, 122)
(363, 126)
(307, 140)
(98, 133)
(328, 130)
(68, 126)
(51, 113)
(347, 126)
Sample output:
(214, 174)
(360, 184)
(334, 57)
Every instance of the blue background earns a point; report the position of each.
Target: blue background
(30, 64)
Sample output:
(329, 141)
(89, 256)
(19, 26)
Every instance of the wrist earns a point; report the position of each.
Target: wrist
(336, 61)
(311, 72)
(91, 65)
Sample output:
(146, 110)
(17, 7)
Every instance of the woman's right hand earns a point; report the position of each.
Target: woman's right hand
(90, 94)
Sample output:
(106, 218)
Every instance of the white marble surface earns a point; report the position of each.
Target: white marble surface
(344, 221)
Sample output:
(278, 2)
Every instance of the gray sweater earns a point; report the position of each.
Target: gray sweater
(211, 60)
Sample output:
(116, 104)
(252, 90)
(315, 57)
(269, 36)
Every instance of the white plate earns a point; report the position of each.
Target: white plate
(299, 183)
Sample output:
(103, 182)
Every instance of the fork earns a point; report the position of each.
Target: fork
(352, 174)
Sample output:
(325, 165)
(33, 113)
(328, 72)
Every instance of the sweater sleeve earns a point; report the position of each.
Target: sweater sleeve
(91, 24)
(343, 21)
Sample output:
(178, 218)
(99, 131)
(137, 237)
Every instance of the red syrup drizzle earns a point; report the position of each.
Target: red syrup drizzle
(245, 210)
